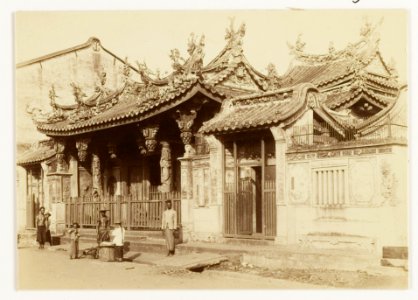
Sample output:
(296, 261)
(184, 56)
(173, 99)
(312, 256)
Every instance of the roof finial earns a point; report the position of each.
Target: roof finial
(299, 45)
(233, 37)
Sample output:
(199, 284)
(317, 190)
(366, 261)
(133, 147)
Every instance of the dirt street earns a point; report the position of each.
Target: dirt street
(43, 269)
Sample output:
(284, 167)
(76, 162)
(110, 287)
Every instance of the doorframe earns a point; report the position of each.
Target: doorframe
(262, 164)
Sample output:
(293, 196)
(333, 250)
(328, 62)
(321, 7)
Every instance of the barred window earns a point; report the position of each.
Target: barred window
(330, 187)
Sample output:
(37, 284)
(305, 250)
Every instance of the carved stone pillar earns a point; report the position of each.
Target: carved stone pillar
(186, 198)
(166, 168)
(82, 144)
(216, 182)
(150, 134)
(59, 149)
(185, 121)
(96, 174)
(281, 202)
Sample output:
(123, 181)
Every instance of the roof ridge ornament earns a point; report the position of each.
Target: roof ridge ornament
(234, 37)
(273, 78)
(78, 94)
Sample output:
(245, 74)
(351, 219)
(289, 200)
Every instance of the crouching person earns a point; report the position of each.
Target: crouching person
(74, 237)
(118, 239)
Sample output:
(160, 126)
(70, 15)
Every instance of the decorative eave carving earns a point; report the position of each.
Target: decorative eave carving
(82, 146)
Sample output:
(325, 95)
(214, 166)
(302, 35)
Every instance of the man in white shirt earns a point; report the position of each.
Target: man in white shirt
(169, 224)
(118, 239)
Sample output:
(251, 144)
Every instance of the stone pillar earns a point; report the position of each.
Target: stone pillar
(73, 169)
(45, 190)
(281, 202)
(166, 168)
(186, 198)
(96, 174)
(216, 184)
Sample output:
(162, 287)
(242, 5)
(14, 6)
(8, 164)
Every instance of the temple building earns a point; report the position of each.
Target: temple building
(314, 157)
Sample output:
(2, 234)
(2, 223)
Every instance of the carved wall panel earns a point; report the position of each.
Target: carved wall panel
(362, 181)
(298, 183)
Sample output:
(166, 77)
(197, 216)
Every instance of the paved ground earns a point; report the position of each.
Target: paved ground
(44, 269)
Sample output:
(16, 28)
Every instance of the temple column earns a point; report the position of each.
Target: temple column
(185, 120)
(186, 198)
(166, 168)
(59, 187)
(216, 181)
(59, 149)
(96, 174)
(282, 212)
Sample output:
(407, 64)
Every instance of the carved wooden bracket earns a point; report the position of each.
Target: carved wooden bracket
(111, 148)
(82, 144)
(185, 120)
(150, 134)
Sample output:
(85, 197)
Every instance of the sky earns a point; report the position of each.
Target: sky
(149, 35)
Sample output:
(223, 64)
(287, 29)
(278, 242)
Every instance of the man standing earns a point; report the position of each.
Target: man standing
(103, 227)
(41, 227)
(169, 224)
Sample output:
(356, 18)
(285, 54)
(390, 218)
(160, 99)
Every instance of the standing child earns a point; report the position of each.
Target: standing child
(74, 237)
(118, 239)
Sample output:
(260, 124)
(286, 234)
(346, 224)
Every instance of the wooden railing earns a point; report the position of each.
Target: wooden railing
(135, 214)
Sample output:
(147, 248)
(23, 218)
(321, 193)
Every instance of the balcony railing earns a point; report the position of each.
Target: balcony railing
(314, 135)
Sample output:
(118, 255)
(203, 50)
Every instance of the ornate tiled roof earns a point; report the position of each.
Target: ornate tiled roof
(346, 79)
(43, 151)
(131, 106)
(260, 110)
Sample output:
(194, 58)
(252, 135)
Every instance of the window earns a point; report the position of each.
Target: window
(330, 187)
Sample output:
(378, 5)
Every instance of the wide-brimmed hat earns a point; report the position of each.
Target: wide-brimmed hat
(48, 213)
(103, 209)
(76, 224)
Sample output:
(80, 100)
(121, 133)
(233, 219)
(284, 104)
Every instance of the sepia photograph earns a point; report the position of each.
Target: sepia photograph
(204, 149)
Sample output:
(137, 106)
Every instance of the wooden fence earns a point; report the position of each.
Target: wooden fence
(135, 214)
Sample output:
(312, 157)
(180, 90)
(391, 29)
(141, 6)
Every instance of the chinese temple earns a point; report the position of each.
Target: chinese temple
(314, 157)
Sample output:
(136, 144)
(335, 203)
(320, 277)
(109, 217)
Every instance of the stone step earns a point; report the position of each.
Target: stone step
(248, 241)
